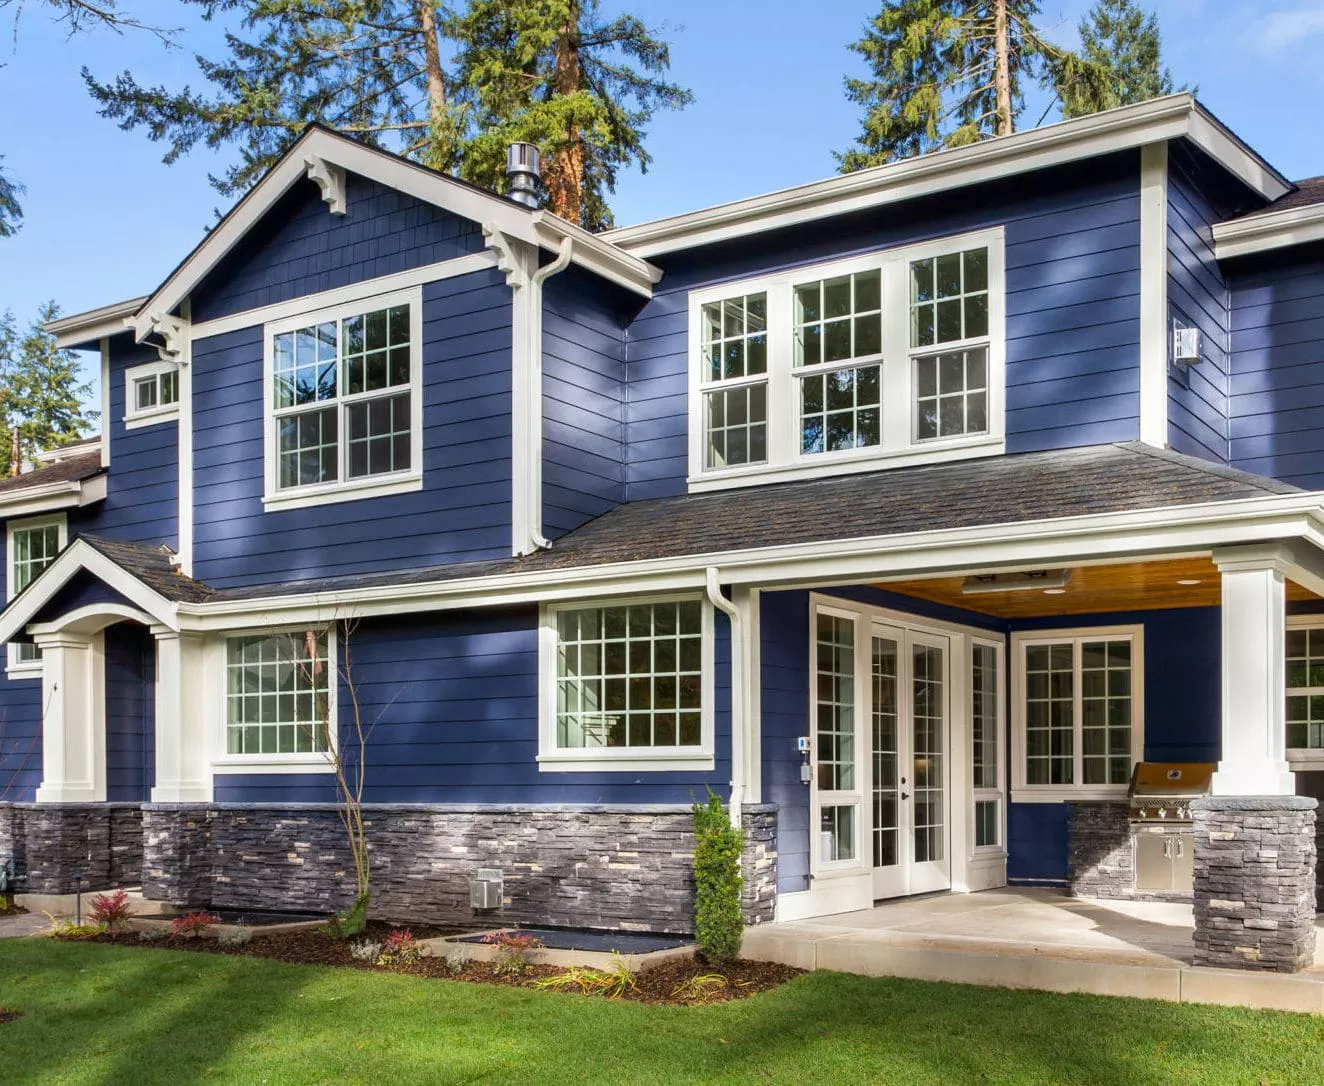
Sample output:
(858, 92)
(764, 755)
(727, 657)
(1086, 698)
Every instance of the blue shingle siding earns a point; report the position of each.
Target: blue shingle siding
(1073, 307)
(463, 511)
(1278, 365)
(300, 248)
(453, 704)
(130, 713)
(1198, 297)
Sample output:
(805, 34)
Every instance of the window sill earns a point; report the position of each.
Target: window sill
(30, 670)
(1306, 759)
(633, 762)
(1068, 794)
(342, 492)
(151, 418)
(274, 763)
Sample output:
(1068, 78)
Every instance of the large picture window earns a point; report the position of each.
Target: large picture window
(895, 355)
(344, 389)
(31, 545)
(1078, 712)
(279, 694)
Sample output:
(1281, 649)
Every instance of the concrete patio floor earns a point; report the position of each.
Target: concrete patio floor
(1032, 938)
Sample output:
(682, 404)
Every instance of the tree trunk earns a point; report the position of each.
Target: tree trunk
(565, 172)
(438, 154)
(1002, 122)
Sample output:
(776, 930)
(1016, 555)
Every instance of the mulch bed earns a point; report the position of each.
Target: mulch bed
(665, 983)
(7, 909)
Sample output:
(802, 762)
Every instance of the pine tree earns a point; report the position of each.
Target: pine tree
(1124, 40)
(41, 393)
(11, 211)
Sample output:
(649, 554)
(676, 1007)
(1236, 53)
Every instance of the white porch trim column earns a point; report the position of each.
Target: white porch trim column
(183, 762)
(73, 718)
(1254, 673)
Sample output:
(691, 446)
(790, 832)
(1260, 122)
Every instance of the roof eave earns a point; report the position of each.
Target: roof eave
(86, 329)
(1268, 231)
(52, 497)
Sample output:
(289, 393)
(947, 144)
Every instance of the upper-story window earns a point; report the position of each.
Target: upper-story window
(32, 545)
(151, 394)
(344, 405)
(896, 357)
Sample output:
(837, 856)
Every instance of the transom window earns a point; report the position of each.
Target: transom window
(1305, 694)
(1078, 711)
(344, 399)
(278, 694)
(898, 354)
(151, 393)
(32, 546)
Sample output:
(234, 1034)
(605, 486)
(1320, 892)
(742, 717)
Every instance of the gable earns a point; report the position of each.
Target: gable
(299, 247)
(83, 589)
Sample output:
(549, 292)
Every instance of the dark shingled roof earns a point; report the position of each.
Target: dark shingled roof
(69, 470)
(969, 493)
(1307, 193)
(151, 565)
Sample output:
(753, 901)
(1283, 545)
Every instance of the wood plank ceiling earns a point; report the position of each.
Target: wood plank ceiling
(1134, 586)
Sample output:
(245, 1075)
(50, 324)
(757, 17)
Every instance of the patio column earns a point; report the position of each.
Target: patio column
(1254, 838)
(73, 723)
(183, 752)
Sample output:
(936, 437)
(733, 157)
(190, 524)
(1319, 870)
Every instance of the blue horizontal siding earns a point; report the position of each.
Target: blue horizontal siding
(20, 723)
(300, 248)
(463, 510)
(130, 713)
(1277, 387)
(1073, 307)
(452, 701)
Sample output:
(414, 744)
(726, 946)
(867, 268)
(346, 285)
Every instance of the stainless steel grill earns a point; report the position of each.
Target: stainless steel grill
(1160, 802)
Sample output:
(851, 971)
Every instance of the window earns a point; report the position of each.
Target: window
(834, 738)
(344, 401)
(279, 697)
(151, 394)
(1079, 713)
(893, 356)
(986, 741)
(1305, 696)
(632, 685)
(32, 545)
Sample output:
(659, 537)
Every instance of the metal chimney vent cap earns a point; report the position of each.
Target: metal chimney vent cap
(523, 169)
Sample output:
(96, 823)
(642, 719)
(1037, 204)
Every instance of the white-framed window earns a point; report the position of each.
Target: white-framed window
(839, 787)
(280, 698)
(151, 394)
(31, 546)
(1305, 692)
(1077, 712)
(626, 685)
(986, 731)
(344, 401)
(890, 358)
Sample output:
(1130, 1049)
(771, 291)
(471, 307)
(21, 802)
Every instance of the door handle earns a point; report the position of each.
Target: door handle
(905, 795)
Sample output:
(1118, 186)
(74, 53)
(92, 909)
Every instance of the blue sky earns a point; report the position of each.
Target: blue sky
(106, 220)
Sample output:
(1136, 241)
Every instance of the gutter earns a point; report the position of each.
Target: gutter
(738, 698)
(1268, 230)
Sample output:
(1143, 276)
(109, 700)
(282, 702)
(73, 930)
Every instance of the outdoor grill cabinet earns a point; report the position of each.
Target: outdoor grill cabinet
(1160, 815)
(1164, 858)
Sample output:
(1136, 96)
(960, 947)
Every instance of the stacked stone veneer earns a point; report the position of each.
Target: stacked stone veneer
(601, 866)
(1101, 855)
(50, 844)
(1255, 882)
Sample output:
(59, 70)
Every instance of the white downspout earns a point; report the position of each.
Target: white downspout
(533, 497)
(732, 612)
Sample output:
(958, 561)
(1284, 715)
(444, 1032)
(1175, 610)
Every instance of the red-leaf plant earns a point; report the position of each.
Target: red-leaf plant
(192, 925)
(110, 910)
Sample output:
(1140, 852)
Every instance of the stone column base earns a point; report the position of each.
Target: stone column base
(1255, 882)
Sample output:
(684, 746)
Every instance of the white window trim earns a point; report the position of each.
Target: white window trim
(785, 460)
(149, 416)
(554, 759)
(373, 486)
(1303, 759)
(1021, 792)
(310, 762)
(14, 667)
(997, 794)
(857, 798)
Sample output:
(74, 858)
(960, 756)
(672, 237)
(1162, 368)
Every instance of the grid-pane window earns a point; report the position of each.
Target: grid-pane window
(1305, 689)
(949, 298)
(735, 359)
(841, 409)
(278, 694)
(836, 833)
(985, 721)
(341, 398)
(986, 823)
(1105, 711)
(31, 551)
(951, 394)
(929, 710)
(835, 740)
(886, 753)
(1050, 724)
(630, 676)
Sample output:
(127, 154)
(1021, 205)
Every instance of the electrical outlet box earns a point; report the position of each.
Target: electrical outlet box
(802, 744)
(1186, 345)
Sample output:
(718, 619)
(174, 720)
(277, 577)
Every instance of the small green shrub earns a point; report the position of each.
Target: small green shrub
(235, 937)
(456, 960)
(152, 935)
(719, 924)
(67, 929)
(365, 950)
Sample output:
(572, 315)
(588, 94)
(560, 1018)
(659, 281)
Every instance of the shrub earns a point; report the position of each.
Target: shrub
(235, 937)
(400, 948)
(67, 929)
(365, 950)
(152, 935)
(192, 925)
(112, 910)
(456, 960)
(514, 952)
(718, 922)
(613, 982)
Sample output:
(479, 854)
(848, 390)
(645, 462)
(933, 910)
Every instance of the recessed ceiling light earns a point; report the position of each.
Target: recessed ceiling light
(1189, 580)
(1055, 591)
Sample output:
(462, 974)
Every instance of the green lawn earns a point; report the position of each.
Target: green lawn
(97, 1014)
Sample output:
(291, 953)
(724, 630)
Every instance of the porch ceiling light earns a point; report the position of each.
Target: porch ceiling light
(1055, 591)
(1189, 581)
(1031, 580)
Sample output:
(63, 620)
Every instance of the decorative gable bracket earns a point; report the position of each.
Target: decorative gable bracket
(507, 251)
(174, 333)
(330, 180)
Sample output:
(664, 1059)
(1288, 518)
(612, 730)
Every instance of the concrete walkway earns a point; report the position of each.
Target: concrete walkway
(11, 927)
(1032, 938)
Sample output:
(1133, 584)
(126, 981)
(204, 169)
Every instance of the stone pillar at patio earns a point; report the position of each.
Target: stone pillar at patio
(1255, 882)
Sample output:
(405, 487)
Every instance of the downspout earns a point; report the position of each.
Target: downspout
(533, 499)
(732, 612)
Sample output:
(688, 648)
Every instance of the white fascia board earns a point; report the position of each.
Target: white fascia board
(1155, 121)
(1271, 230)
(69, 494)
(83, 329)
(598, 256)
(80, 555)
(1093, 539)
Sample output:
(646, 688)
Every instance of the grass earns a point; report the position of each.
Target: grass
(104, 1015)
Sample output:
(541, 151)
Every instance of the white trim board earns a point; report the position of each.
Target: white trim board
(47, 497)
(1154, 295)
(1268, 231)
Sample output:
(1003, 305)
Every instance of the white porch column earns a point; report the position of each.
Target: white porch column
(73, 739)
(183, 757)
(1254, 676)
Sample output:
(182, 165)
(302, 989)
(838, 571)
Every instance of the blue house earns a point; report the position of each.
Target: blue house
(908, 511)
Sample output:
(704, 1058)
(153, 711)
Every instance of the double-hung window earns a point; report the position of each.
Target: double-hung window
(1078, 716)
(32, 545)
(151, 394)
(280, 697)
(893, 357)
(1305, 696)
(627, 686)
(344, 401)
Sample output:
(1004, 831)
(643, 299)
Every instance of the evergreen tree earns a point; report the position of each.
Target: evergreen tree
(1123, 40)
(11, 211)
(41, 392)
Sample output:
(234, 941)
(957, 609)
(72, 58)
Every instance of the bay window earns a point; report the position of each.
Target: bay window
(893, 357)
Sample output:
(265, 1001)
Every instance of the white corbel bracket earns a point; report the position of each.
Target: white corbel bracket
(330, 181)
(174, 332)
(505, 248)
